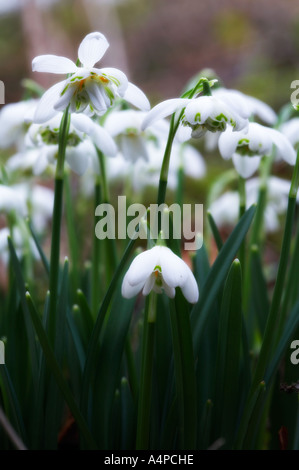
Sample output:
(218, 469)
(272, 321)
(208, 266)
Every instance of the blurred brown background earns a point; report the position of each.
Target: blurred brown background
(252, 45)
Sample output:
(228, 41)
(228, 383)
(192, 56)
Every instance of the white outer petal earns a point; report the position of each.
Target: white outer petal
(142, 267)
(175, 271)
(53, 64)
(204, 105)
(77, 158)
(246, 166)
(228, 142)
(103, 140)
(163, 110)
(45, 108)
(284, 146)
(135, 96)
(128, 291)
(115, 73)
(150, 282)
(92, 49)
(82, 123)
(190, 289)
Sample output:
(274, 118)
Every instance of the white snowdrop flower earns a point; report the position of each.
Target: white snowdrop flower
(42, 141)
(159, 269)
(125, 127)
(225, 209)
(182, 156)
(87, 86)
(202, 114)
(39, 201)
(247, 147)
(13, 122)
(247, 106)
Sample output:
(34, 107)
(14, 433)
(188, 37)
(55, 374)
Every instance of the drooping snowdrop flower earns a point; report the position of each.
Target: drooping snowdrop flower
(202, 114)
(80, 150)
(87, 86)
(247, 147)
(13, 122)
(159, 269)
(125, 127)
(11, 200)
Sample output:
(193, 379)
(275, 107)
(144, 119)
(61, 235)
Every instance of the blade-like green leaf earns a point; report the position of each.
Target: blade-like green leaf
(215, 279)
(55, 369)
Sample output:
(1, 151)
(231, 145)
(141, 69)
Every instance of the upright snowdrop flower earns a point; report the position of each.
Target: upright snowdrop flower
(159, 269)
(86, 86)
(202, 114)
(247, 147)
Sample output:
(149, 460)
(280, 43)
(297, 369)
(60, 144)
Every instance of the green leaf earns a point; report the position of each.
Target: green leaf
(184, 371)
(55, 369)
(228, 355)
(215, 279)
(215, 231)
(108, 362)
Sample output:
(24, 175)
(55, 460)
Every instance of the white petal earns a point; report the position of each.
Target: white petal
(82, 123)
(142, 267)
(117, 74)
(183, 133)
(175, 271)
(169, 291)
(284, 146)
(53, 64)
(135, 96)
(64, 99)
(133, 148)
(228, 142)
(92, 49)
(103, 140)
(246, 166)
(45, 108)
(97, 97)
(128, 291)
(149, 284)
(199, 109)
(190, 289)
(77, 158)
(262, 110)
(164, 109)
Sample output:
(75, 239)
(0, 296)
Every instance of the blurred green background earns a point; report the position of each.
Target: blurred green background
(253, 45)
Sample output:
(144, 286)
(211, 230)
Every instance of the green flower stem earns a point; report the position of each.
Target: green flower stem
(242, 209)
(56, 224)
(72, 235)
(270, 334)
(258, 223)
(110, 251)
(96, 257)
(145, 391)
(106, 197)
